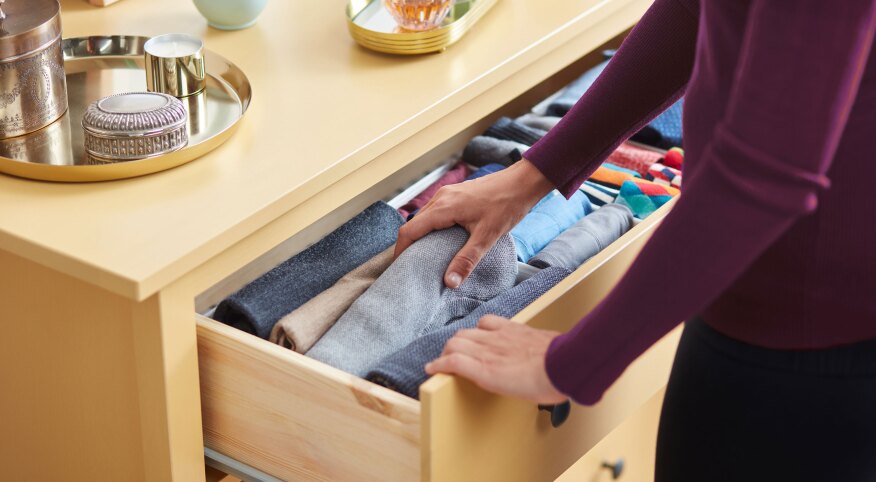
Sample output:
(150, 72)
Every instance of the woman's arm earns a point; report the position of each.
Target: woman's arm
(647, 74)
(797, 78)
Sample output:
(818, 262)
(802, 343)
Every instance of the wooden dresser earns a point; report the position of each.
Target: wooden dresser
(109, 374)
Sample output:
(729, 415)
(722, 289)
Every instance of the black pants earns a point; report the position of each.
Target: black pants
(736, 412)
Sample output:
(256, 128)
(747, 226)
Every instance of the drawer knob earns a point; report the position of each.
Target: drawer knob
(559, 413)
(616, 468)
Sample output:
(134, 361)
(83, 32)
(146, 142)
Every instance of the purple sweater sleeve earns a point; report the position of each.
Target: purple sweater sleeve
(648, 74)
(765, 162)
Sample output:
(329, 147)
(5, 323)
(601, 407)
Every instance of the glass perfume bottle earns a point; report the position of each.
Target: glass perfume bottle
(418, 15)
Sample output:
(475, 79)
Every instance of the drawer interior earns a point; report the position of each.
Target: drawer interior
(298, 419)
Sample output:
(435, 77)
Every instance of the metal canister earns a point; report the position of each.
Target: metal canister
(33, 88)
(136, 125)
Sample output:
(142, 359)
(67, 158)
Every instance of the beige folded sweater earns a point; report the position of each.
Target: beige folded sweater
(303, 327)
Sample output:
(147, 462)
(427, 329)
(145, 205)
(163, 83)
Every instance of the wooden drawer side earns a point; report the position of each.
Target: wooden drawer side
(469, 434)
(297, 419)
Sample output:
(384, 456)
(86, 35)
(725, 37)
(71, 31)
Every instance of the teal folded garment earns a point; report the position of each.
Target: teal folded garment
(550, 217)
(643, 198)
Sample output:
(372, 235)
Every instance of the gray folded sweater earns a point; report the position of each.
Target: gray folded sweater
(586, 238)
(483, 150)
(403, 371)
(540, 122)
(258, 305)
(409, 299)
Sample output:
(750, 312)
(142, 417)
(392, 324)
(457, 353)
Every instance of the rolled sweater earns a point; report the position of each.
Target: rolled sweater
(258, 305)
(410, 299)
(757, 243)
(403, 370)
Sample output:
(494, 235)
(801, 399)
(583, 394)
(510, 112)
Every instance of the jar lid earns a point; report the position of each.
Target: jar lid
(134, 126)
(28, 26)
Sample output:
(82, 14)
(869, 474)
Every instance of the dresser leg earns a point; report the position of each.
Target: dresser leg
(95, 386)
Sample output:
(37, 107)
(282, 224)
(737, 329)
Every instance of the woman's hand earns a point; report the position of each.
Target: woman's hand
(487, 208)
(502, 357)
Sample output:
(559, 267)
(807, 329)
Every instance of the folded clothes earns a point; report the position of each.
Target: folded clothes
(634, 158)
(586, 238)
(483, 150)
(510, 130)
(524, 272)
(624, 170)
(598, 194)
(570, 95)
(550, 217)
(410, 299)
(644, 197)
(674, 158)
(258, 305)
(403, 370)
(665, 175)
(456, 174)
(540, 122)
(302, 328)
(607, 176)
(665, 130)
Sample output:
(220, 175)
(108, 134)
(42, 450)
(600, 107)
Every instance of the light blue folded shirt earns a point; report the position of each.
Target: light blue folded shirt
(550, 217)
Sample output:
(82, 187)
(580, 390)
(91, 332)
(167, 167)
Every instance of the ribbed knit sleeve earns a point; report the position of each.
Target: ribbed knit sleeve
(647, 74)
(795, 82)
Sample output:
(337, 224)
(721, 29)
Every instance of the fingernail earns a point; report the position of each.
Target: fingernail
(455, 280)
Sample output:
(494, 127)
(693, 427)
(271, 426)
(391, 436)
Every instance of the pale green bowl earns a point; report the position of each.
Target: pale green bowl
(231, 14)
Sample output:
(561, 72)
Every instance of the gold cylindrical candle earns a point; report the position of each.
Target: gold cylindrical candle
(175, 65)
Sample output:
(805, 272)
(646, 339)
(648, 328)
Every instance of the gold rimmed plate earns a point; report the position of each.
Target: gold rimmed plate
(100, 66)
(372, 26)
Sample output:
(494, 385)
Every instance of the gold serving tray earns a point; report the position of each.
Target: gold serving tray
(372, 27)
(100, 66)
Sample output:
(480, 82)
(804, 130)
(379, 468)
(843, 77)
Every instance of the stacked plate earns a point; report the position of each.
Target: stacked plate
(372, 26)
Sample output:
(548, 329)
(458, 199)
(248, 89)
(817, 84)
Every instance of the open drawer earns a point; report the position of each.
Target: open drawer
(269, 412)
(298, 419)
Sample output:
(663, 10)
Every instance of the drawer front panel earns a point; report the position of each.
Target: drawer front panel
(471, 435)
(634, 443)
(297, 419)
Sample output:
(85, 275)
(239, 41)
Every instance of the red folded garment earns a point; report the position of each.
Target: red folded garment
(455, 175)
(634, 158)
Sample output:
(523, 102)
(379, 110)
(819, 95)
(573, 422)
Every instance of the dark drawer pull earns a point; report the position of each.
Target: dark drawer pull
(559, 413)
(616, 468)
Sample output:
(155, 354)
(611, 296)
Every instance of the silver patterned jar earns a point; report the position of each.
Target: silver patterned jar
(33, 88)
(137, 125)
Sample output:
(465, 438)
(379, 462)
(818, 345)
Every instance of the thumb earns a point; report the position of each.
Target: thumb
(467, 259)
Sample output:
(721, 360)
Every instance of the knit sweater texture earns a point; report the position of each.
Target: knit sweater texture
(258, 305)
(410, 299)
(403, 370)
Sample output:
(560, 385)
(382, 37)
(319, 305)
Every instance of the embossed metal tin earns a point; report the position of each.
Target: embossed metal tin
(100, 66)
(33, 91)
(130, 126)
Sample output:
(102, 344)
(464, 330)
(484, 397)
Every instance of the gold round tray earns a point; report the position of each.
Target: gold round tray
(101, 66)
(372, 27)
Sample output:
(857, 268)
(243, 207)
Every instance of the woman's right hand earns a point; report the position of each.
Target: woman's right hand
(487, 208)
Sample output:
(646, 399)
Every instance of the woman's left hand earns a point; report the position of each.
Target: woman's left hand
(502, 357)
